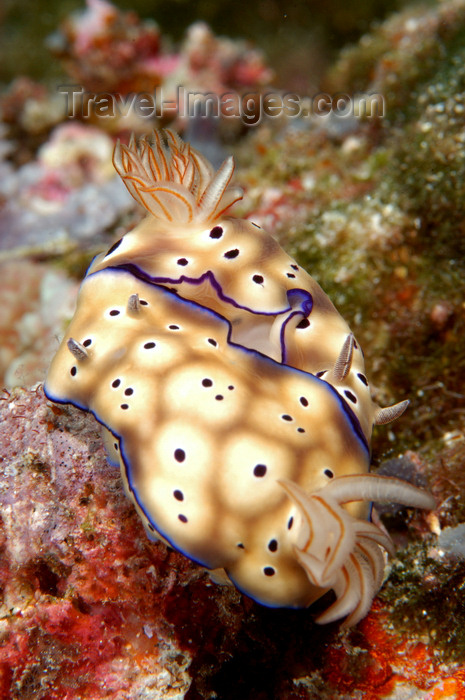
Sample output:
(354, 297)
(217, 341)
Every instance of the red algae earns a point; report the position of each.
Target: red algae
(80, 583)
(91, 608)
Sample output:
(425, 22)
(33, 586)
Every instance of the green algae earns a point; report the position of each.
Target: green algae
(382, 224)
(425, 595)
(428, 158)
(401, 57)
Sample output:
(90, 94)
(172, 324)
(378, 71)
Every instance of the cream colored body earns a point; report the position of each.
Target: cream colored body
(199, 344)
(257, 312)
(225, 503)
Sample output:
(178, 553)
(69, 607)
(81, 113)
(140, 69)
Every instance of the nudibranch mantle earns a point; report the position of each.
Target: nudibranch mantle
(233, 394)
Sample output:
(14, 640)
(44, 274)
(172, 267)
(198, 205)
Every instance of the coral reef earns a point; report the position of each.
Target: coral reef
(105, 49)
(113, 53)
(376, 214)
(91, 608)
(69, 192)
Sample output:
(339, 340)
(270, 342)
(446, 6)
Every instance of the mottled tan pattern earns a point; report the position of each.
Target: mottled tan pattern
(234, 390)
(227, 409)
(254, 294)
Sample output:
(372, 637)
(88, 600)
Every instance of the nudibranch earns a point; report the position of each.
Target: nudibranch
(233, 394)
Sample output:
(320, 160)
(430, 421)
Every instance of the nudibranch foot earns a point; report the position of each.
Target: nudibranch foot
(341, 552)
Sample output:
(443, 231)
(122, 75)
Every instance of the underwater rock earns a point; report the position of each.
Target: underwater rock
(78, 618)
(35, 303)
(90, 607)
(68, 193)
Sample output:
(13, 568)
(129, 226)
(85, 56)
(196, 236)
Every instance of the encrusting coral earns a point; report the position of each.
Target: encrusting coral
(233, 393)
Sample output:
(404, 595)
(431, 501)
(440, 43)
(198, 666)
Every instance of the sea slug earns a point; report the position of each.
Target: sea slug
(233, 394)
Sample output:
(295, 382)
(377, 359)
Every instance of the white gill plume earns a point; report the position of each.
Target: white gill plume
(345, 553)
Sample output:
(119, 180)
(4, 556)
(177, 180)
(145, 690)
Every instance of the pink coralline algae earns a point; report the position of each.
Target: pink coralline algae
(90, 608)
(84, 595)
(68, 192)
(35, 302)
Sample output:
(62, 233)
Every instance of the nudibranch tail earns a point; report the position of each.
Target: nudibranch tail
(339, 551)
(173, 181)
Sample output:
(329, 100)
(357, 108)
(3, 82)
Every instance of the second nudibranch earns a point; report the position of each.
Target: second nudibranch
(233, 393)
